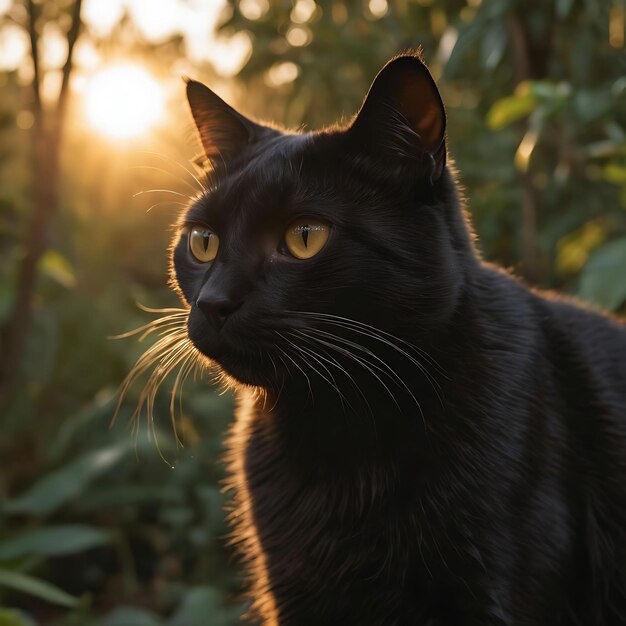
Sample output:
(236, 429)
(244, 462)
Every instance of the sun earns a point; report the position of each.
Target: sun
(124, 101)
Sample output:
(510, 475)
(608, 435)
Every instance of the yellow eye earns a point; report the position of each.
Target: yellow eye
(306, 237)
(203, 243)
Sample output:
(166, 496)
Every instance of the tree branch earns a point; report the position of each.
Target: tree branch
(72, 36)
(530, 62)
(33, 14)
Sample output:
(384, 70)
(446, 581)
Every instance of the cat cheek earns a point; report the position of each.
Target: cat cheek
(185, 275)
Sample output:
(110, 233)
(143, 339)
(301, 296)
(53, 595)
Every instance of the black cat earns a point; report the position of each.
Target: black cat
(420, 439)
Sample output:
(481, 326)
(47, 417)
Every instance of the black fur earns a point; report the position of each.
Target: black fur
(465, 463)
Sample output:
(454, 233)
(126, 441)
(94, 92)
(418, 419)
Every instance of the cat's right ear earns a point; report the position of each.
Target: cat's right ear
(403, 118)
(224, 133)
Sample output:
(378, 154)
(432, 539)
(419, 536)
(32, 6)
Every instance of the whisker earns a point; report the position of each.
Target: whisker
(152, 355)
(156, 378)
(358, 346)
(170, 202)
(177, 390)
(374, 329)
(160, 169)
(173, 349)
(148, 309)
(175, 193)
(363, 363)
(152, 326)
(174, 162)
(332, 361)
(303, 372)
(376, 334)
(282, 382)
(303, 350)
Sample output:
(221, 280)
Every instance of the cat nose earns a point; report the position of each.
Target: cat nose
(217, 309)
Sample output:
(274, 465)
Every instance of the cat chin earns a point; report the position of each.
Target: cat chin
(248, 378)
(236, 373)
(239, 369)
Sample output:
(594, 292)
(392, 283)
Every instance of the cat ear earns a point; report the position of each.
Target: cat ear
(224, 132)
(403, 115)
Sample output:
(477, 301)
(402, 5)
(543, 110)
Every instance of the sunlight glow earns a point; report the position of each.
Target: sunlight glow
(14, 46)
(304, 10)
(101, 17)
(282, 73)
(254, 9)
(124, 101)
(378, 8)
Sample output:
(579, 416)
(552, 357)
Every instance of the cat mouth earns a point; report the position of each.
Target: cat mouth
(246, 360)
(258, 367)
(243, 371)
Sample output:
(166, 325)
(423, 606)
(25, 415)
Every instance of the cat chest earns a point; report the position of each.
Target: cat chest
(333, 548)
(327, 568)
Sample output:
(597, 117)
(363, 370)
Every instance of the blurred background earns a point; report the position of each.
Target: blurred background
(98, 526)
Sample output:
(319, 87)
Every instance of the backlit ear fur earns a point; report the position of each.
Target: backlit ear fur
(403, 115)
(224, 133)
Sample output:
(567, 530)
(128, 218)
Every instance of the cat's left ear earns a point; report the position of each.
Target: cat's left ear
(403, 116)
(224, 132)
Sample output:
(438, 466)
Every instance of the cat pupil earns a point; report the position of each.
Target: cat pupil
(205, 240)
(305, 234)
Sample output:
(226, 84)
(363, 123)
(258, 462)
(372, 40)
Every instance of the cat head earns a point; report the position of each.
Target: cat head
(303, 242)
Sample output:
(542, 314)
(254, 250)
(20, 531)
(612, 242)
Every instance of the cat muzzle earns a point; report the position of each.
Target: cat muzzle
(217, 309)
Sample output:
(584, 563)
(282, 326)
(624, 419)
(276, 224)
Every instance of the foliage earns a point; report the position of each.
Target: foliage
(95, 529)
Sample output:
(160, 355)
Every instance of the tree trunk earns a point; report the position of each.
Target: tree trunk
(47, 137)
(531, 63)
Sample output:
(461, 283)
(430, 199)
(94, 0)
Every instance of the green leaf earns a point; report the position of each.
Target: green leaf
(10, 617)
(202, 606)
(130, 616)
(592, 104)
(510, 109)
(54, 541)
(603, 279)
(73, 427)
(563, 7)
(493, 46)
(123, 495)
(468, 36)
(549, 91)
(615, 173)
(55, 265)
(573, 249)
(36, 587)
(61, 486)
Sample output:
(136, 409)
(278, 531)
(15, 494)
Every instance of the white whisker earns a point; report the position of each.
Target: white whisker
(169, 202)
(303, 372)
(392, 373)
(176, 163)
(175, 193)
(329, 359)
(363, 363)
(160, 169)
(329, 316)
(312, 355)
(385, 338)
